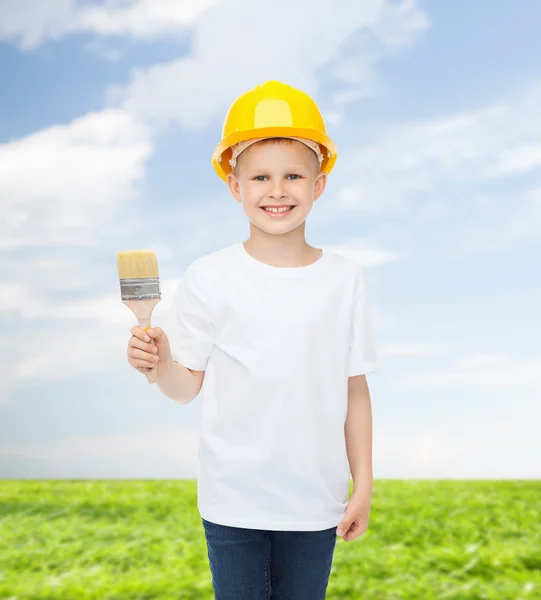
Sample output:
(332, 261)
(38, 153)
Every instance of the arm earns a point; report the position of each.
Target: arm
(179, 383)
(358, 432)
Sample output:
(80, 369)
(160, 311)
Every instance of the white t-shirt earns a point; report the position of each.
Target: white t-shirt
(277, 345)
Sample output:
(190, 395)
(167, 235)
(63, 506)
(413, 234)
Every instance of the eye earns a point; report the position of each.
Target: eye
(261, 177)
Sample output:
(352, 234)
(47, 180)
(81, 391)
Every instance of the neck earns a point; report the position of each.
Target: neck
(281, 250)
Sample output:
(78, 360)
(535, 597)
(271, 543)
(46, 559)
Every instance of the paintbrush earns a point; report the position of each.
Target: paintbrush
(140, 289)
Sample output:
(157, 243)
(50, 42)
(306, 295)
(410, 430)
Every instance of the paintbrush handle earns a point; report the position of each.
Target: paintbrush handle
(142, 309)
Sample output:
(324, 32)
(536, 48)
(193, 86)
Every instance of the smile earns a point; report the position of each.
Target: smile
(278, 213)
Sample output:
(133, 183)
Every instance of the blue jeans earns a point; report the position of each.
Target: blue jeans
(255, 564)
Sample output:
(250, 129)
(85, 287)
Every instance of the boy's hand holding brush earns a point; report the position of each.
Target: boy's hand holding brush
(149, 350)
(140, 290)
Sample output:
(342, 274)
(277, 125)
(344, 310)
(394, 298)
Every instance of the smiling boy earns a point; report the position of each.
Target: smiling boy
(275, 336)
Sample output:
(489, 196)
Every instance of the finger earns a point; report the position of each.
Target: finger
(350, 536)
(354, 532)
(138, 363)
(157, 334)
(139, 333)
(134, 342)
(142, 355)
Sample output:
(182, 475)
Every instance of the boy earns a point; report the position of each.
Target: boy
(276, 336)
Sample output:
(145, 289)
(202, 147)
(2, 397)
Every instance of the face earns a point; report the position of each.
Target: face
(274, 175)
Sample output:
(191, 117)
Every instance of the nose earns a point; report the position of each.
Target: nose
(276, 190)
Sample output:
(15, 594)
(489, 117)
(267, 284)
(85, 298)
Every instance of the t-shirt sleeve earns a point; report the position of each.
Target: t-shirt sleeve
(190, 329)
(362, 355)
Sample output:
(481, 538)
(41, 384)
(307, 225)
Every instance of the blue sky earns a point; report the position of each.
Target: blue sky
(109, 114)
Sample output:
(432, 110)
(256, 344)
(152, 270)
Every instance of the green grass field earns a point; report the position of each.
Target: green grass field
(120, 540)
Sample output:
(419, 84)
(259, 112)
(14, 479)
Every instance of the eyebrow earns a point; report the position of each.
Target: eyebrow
(289, 169)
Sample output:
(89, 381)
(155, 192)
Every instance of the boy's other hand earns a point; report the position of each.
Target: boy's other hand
(355, 521)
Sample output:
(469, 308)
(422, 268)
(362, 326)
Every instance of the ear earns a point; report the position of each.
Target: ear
(234, 186)
(320, 184)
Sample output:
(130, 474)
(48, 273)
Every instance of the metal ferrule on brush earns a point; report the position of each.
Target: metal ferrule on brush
(141, 289)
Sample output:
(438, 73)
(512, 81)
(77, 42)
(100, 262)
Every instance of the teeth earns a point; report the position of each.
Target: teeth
(286, 208)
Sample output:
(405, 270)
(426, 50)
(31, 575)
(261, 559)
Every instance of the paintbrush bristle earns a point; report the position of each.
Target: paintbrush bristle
(136, 264)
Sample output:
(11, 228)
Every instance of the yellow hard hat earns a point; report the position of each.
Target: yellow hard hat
(272, 109)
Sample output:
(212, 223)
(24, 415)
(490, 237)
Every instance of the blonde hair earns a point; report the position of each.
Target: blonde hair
(275, 140)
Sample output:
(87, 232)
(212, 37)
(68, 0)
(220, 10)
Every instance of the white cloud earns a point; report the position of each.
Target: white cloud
(333, 118)
(498, 223)
(525, 219)
(151, 454)
(61, 185)
(482, 360)
(234, 49)
(412, 349)
(473, 450)
(140, 18)
(495, 142)
(366, 254)
(30, 23)
(65, 338)
(65, 189)
(480, 371)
